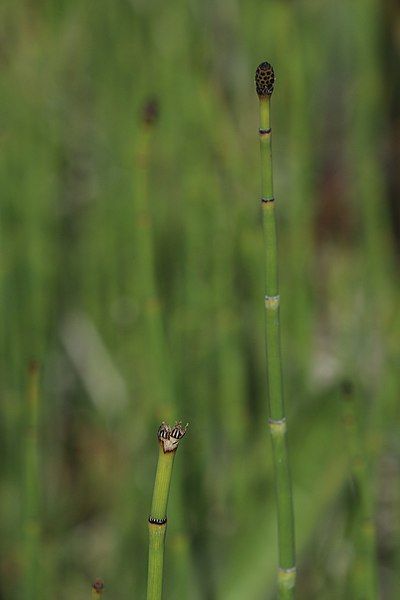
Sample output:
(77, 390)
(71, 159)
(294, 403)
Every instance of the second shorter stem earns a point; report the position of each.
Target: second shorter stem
(168, 443)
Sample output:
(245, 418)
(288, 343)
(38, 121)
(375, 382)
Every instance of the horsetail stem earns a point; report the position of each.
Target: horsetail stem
(365, 578)
(168, 439)
(32, 524)
(97, 589)
(265, 80)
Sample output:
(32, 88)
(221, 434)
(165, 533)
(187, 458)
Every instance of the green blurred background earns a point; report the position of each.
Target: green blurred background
(131, 270)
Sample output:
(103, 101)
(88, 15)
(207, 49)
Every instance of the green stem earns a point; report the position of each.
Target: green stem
(365, 579)
(168, 443)
(277, 418)
(31, 533)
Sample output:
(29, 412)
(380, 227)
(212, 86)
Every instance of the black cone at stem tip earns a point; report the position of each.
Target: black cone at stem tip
(265, 79)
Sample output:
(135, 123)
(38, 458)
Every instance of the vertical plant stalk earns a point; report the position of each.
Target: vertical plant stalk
(32, 521)
(155, 351)
(97, 589)
(168, 439)
(277, 420)
(160, 390)
(364, 576)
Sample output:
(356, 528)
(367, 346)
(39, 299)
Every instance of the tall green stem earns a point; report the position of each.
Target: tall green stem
(168, 443)
(277, 418)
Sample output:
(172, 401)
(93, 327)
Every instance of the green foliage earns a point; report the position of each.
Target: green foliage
(138, 290)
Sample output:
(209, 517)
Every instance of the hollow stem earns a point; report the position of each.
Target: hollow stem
(277, 418)
(168, 443)
(364, 576)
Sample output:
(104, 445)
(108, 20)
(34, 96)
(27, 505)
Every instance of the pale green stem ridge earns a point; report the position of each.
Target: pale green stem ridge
(277, 422)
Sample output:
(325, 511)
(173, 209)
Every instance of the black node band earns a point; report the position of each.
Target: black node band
(266, 200)
(155, 521)
(265, 131)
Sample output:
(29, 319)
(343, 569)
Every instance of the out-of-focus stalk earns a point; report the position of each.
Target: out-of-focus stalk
(364, 577)
(32, 519)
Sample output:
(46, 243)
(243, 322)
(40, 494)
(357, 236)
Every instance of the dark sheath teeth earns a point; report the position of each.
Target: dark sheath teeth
(155, 521)
(265, 79)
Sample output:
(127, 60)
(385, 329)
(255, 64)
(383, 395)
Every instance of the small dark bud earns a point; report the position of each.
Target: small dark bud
(347, 387)
(98, 586)
(265, 79)
(150, 112)
(33, 366)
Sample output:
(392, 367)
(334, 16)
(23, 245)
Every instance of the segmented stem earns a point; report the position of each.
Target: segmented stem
(277, 420)
(168, 443)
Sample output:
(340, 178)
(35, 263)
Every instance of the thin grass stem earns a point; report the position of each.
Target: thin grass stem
(277, 420)
(364, 576)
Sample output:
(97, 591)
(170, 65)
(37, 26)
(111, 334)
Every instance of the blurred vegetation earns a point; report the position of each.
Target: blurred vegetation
(131, 271)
